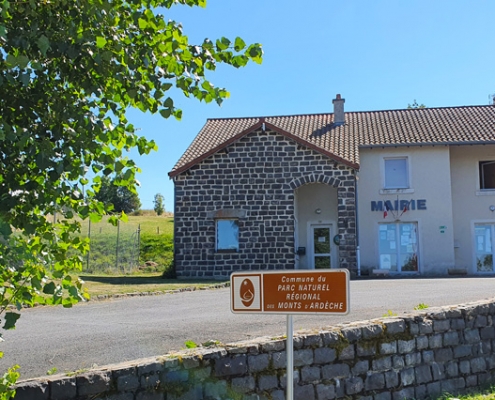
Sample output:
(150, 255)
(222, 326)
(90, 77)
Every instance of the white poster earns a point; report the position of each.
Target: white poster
(390, 235)
(481, 246)
(385, 262)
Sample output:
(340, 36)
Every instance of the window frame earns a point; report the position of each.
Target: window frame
(481, 175)
(219, 232)
(407, 183)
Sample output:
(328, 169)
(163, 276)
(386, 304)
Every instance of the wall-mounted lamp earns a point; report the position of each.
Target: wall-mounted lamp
(492, 208)
(318, 211)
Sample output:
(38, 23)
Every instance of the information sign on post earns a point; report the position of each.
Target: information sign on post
(321, 291)
(324, 291)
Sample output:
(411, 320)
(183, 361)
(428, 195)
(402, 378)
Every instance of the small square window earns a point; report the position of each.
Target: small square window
(227, 235)
(487, 175)
(396, 173)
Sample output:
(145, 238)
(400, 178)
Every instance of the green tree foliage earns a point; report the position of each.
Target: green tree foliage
(7, 381)
(159, 202)
(415, 105)
(120, 198)
(69, 71)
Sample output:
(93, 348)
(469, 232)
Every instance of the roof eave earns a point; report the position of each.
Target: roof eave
(446, 143)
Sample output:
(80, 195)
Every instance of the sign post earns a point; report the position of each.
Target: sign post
(322, 291)
(290, 358)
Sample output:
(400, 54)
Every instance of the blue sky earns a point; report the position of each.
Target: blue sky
(378, 55)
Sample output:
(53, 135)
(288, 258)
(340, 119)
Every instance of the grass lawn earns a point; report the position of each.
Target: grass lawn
(486, 394)
(141, 283)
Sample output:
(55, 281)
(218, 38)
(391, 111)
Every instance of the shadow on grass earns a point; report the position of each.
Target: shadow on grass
(143, 280)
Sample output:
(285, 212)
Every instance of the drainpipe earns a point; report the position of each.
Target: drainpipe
(297, 259)
(358, 251)
(175, 226)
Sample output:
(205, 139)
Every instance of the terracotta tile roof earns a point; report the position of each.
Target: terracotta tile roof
(448, 125)
(214, 136)
(427, 126)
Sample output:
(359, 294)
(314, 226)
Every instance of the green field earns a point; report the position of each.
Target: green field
(142, 244)
(149, 224)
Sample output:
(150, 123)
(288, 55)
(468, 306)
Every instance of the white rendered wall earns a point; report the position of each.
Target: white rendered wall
(470, 205)
(429, 178)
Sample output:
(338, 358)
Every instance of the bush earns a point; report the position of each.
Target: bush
(160, 250)
(169, 272)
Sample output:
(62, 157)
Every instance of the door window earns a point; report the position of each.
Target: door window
(322, 247)
(398, 247)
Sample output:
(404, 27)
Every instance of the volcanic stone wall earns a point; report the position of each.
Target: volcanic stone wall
(421, 355)
(254, 181)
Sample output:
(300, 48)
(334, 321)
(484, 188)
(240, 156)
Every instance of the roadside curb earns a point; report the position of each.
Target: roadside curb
(102, 297)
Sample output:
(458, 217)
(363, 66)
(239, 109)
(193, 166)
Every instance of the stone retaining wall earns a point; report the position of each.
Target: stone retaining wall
(419, 355)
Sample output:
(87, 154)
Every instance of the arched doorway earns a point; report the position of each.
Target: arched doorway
(316, 216)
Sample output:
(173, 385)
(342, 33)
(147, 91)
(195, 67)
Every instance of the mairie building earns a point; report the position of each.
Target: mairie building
(398, 192)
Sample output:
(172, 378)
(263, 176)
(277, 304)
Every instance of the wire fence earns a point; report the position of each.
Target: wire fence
(113, 249)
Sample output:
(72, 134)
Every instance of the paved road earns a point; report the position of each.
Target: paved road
(106, 332)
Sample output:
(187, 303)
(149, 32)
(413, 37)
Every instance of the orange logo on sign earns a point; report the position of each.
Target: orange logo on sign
(247, 292)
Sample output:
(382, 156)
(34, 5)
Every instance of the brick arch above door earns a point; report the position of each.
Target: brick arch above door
(315, 178)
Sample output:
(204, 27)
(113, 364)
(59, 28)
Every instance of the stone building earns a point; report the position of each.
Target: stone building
(396, 191)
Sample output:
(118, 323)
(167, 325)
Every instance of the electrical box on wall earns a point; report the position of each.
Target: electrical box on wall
(301, 251)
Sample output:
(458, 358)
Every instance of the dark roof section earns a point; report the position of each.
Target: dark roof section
(409, 127)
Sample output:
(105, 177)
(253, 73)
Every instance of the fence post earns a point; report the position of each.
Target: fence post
(117, 250)
(139, 244)
(89, 251)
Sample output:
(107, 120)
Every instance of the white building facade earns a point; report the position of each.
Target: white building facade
(427, 209)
